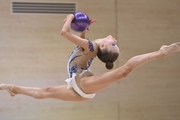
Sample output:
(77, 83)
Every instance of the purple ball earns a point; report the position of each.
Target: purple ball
(80, 22)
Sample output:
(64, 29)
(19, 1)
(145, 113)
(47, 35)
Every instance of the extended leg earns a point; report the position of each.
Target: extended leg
(57, 92)
(164, 51)
(95, 83)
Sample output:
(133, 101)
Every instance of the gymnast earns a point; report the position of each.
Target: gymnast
(82, 84)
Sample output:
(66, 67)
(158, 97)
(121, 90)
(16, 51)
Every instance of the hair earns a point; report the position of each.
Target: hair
(107, 57)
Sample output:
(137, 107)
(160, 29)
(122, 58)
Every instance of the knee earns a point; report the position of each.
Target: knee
(126, 71)
(43, 92)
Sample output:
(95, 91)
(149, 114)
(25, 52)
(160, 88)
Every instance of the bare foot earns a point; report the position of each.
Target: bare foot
(8, 88)
(167, 50)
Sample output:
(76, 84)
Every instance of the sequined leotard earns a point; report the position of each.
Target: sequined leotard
(79, 63)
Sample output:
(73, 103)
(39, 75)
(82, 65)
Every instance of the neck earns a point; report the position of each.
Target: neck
(98, 42)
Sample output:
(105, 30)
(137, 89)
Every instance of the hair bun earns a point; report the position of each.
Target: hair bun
(109, 65)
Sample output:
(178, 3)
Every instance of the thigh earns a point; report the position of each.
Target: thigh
(98, 82)
(63, 93)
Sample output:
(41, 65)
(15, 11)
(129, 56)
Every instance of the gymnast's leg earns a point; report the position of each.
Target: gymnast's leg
(96, 83)
(57, 92)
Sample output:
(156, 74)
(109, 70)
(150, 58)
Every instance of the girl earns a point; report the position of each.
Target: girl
(82, 85)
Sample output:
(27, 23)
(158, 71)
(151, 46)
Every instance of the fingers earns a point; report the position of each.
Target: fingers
(70, 16)
(92, 21)
(65, 20)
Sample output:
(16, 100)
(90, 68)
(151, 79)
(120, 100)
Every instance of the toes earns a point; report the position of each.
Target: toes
(1, 86)
(177, 45)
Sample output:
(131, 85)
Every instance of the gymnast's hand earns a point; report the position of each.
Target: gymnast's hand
(91, 21)
(68, 16)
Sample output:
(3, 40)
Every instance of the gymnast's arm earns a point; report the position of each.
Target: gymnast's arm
(66, 32)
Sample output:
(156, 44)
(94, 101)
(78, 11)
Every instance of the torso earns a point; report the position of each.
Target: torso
(80, 61)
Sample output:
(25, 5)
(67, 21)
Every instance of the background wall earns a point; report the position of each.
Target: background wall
(32, 53)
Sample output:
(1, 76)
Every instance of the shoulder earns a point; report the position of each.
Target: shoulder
(92, 47)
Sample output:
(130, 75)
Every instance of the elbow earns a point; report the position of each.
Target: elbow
(63, 32)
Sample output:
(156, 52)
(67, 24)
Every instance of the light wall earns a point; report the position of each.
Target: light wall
(33, 53)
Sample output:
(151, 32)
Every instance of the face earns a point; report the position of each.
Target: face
(111, 43)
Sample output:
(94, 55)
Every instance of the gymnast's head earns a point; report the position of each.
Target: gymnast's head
(108, 51)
